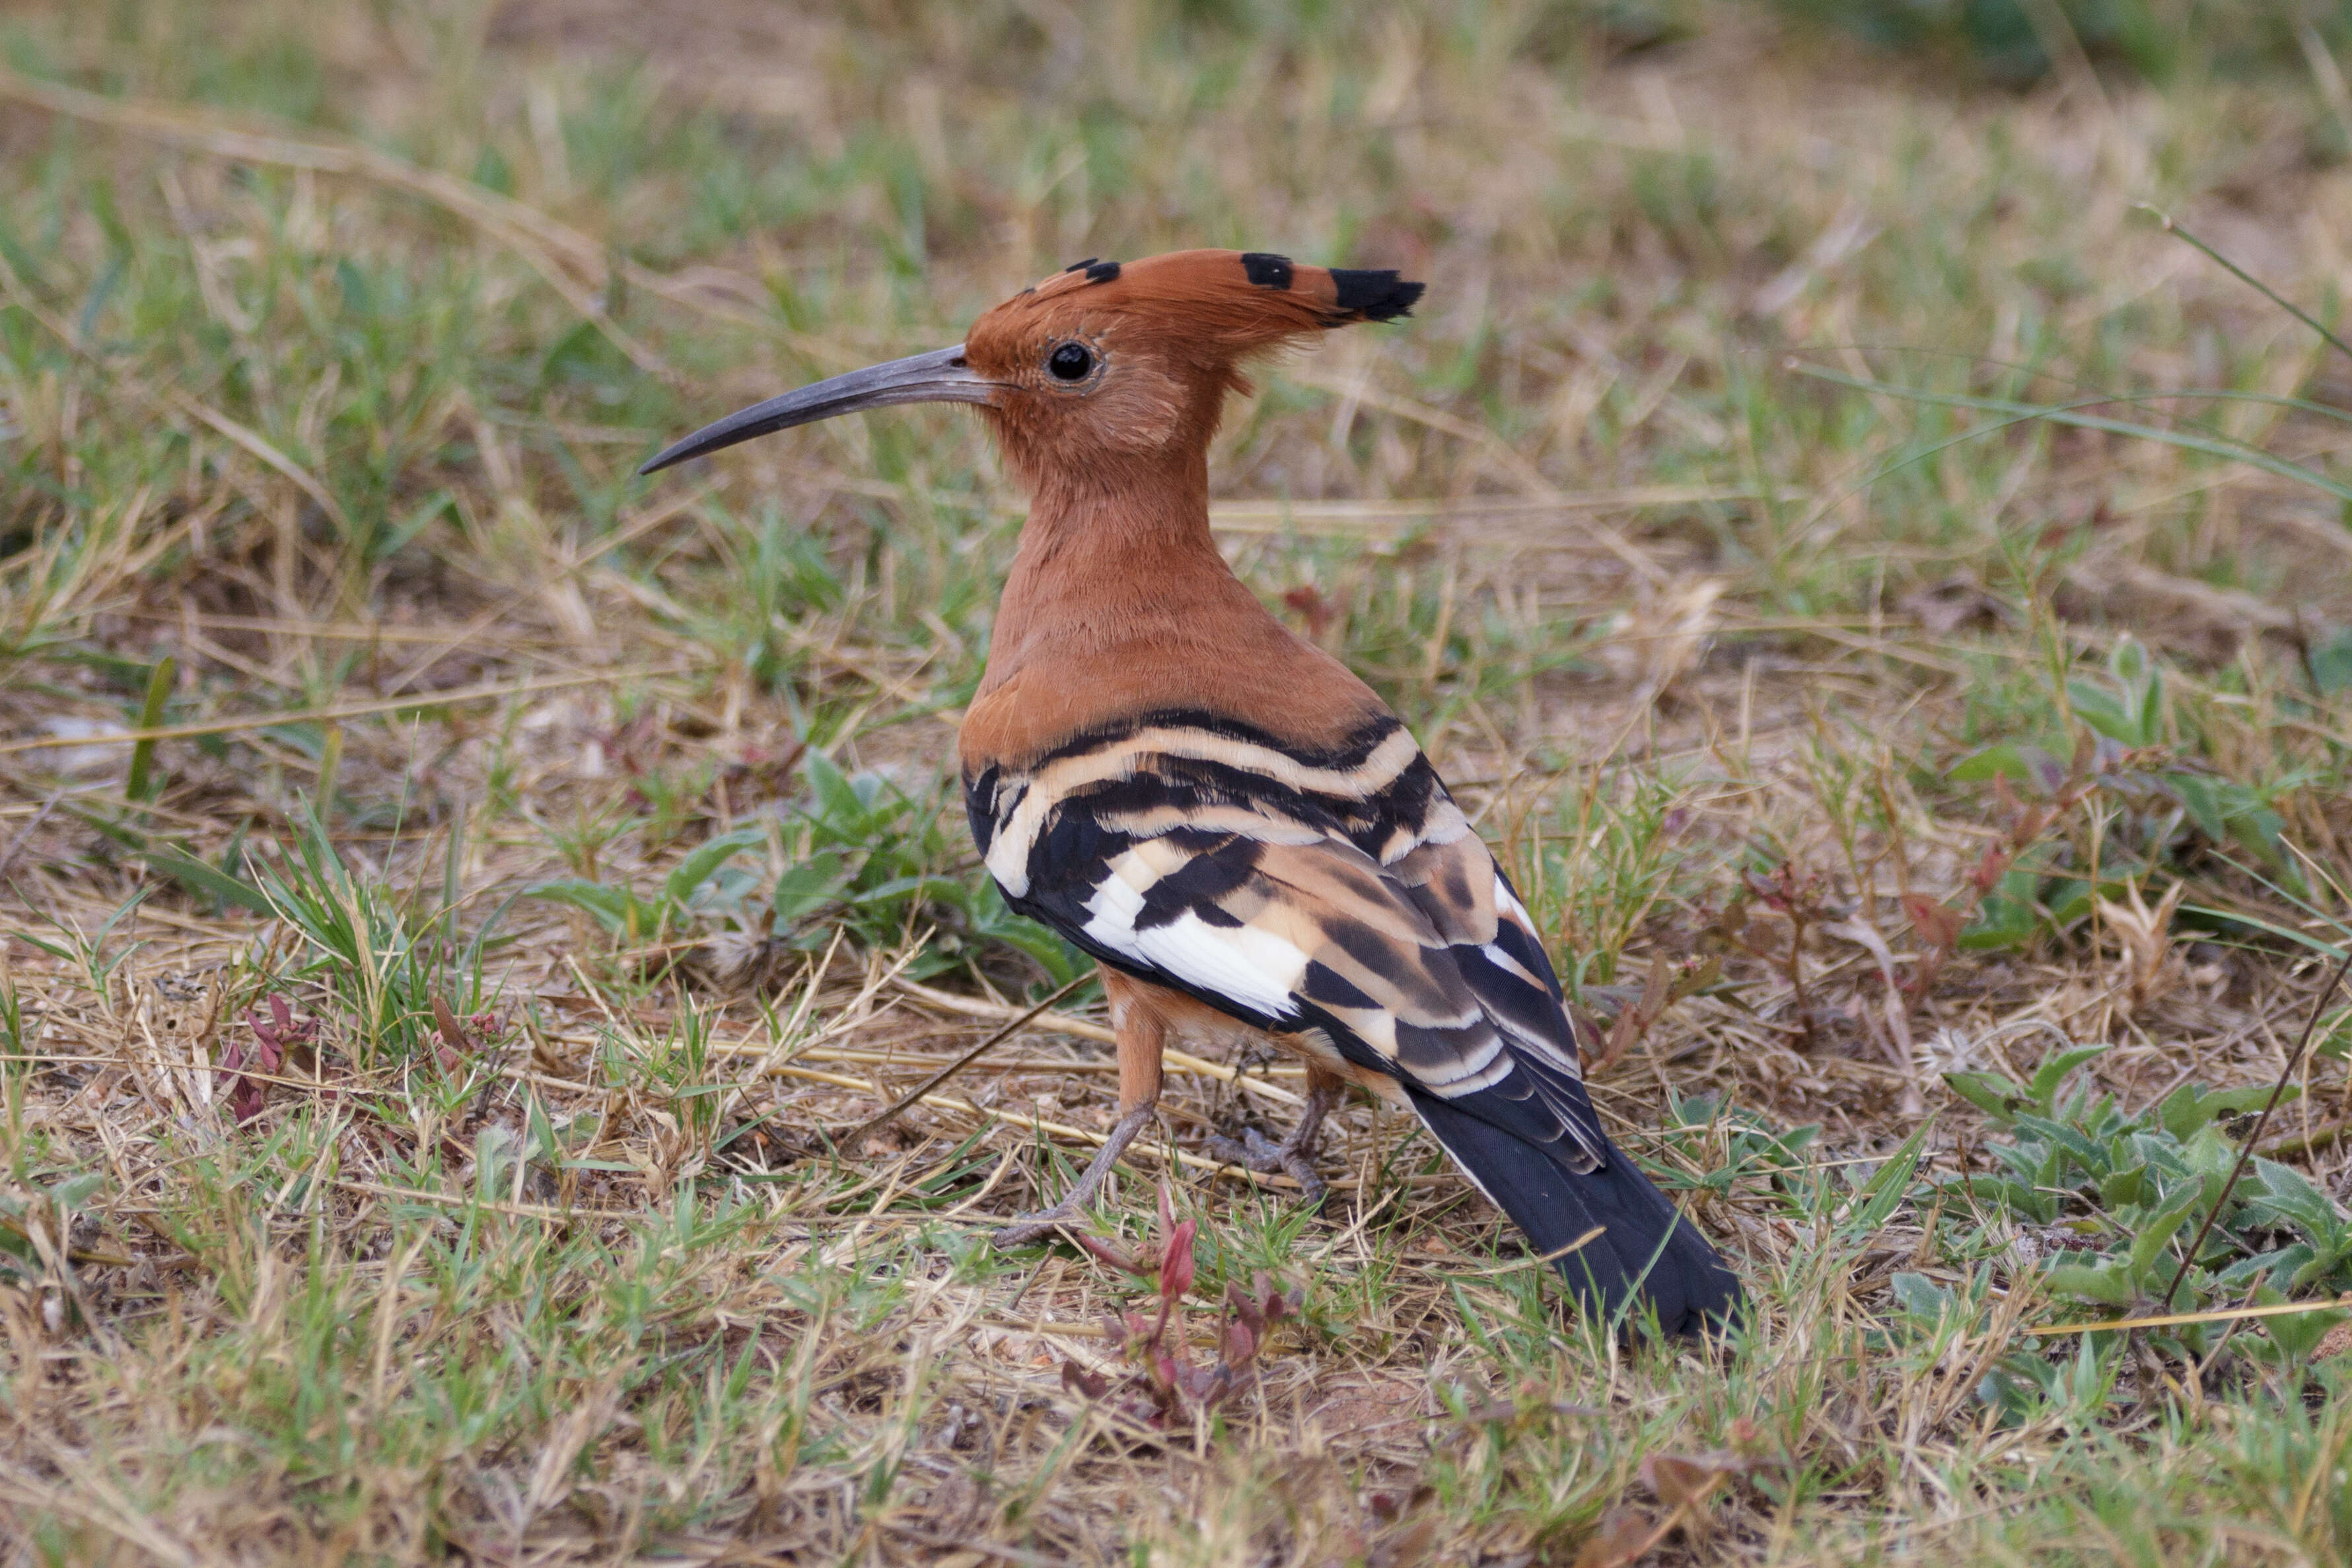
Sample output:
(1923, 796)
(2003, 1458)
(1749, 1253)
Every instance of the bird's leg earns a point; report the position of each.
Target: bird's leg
(1295, 1155)
(1143, 1035)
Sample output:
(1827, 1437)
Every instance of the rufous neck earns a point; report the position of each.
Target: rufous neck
(1112, 555)
(1083, 516)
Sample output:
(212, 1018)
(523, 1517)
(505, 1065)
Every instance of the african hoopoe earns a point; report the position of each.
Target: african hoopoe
(1216, 809)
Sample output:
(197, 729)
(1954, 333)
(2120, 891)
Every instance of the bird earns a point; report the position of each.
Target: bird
(1237, 829)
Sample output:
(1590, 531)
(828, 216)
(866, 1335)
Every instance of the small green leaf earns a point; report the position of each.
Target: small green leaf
(704, 860)
(2259, 829)
(46, 945)
(2103, 712)
(2141, 684)
(2069, 898)
(2248, 1097)
(808, 887)
(2298, 1334)
(2099, 1282)
(2001, 1193)
(2052, 1072)
(2016, 759)
(2122, 1188)
(1922, 1298)
(1989, 1092)
(618, 909)
(838, 805)
(2148, 1244)
(2209, 1157)
(1889, 1185)
(151, 716)
(2003, 759)
(73, 1192)
(2235, 1279)
(2198, 796)
(2182, 1112)
(2009, 917)
(2058, 1136)
(2331, 664)
(897, 888)
(2288, 1194)
(209, 882)
(2335, 1038)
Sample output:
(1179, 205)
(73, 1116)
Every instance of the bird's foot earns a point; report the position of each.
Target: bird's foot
(1256, 1152)
(1070, 1211)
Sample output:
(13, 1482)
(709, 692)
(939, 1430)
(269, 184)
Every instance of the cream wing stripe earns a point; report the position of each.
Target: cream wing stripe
(1008, 855)
(1367, 778)
(1256, 969)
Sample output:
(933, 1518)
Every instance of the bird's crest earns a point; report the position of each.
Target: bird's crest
(1230, 303)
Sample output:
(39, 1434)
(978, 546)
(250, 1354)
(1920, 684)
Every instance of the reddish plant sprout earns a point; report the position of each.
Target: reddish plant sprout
(1168, 1382)
(1937, 925)
(1669, 982)
(1083, 1384)
(1176, 1266)
(454, 1044)
(633, 747)
(2018, 826)
(1801, 897)
(247, 1095)
(463, 1035)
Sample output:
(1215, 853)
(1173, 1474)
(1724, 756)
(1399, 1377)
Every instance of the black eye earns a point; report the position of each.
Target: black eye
(1070, 362)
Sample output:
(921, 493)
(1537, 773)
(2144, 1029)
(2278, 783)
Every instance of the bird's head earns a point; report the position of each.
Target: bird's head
(1105, 363)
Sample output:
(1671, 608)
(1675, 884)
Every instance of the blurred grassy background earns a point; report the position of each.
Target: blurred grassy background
(1813, 460)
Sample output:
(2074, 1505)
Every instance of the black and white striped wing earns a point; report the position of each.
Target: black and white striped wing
(1345, 895)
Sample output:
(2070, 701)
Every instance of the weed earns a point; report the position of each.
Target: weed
(272, 1038)
(702, 880)
(886, 866)
(1802, 901)
(1169, 1384)
(2127, 1190)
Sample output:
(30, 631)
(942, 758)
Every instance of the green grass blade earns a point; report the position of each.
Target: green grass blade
(2067, 414)
(151, 716)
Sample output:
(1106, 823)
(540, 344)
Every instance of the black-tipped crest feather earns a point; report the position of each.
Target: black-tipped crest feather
(1375, 295)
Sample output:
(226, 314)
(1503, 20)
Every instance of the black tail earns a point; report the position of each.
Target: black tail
(1677, 1274)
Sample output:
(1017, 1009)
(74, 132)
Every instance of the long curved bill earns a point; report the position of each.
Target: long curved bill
(941, 376)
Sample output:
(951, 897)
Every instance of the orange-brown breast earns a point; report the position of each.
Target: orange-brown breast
(1062, 688)
(1121, 610)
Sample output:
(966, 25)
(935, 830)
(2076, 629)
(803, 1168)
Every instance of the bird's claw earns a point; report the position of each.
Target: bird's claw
(1042, 1225)
(1256, 1152)
(1253, 1150)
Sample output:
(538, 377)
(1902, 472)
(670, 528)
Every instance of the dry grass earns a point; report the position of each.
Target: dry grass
(328, 336)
